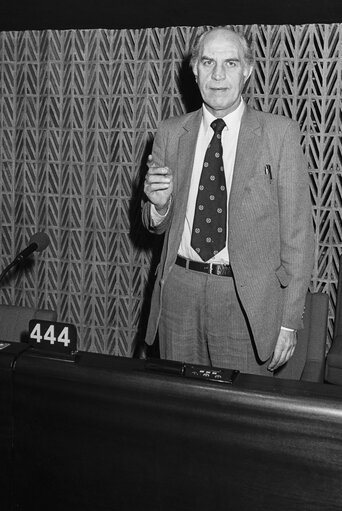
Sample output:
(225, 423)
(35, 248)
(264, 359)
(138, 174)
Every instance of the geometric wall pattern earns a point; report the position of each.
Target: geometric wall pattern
(78, 112)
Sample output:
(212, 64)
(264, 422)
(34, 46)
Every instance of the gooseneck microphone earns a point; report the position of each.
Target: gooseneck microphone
(38, 242)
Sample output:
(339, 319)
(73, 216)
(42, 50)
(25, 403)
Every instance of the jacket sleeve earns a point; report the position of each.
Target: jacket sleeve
(296, 226)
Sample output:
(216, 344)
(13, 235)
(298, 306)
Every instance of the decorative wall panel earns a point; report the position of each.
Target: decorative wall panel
(78, 112)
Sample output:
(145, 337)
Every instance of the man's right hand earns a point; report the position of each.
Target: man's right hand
(158, 185)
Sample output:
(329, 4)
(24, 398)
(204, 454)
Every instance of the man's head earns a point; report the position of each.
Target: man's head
(221, 62)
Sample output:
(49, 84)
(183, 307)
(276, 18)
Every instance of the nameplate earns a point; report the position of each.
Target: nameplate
(53, 337)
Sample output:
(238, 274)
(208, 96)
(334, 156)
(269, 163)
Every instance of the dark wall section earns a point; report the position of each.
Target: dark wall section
(65, 14)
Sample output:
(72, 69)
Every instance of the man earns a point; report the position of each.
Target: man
(236, 303)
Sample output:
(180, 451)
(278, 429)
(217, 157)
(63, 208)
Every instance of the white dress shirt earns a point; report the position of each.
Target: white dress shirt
(229, 144)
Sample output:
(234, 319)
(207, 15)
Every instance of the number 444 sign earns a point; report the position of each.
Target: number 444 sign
(53, 336)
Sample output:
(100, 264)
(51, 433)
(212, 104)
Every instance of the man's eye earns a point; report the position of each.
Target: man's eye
(231, 63)
(206, 62)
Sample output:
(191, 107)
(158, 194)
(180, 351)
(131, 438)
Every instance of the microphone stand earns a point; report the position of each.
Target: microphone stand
(6, 270)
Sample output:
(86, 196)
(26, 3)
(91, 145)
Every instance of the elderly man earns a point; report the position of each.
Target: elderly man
(228, 187)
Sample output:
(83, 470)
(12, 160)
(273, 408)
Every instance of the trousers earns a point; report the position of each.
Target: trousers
(203, 322)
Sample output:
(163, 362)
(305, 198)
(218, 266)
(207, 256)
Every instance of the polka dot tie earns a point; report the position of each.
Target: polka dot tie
(210, 220)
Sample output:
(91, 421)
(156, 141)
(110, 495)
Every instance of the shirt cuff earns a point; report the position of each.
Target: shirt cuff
(157, 218)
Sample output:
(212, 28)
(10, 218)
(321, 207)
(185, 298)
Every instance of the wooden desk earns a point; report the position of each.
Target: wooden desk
(105, 434)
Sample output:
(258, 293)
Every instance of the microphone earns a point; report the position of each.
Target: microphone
(38, 242)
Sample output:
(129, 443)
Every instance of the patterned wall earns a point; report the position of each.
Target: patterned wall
(78, 112)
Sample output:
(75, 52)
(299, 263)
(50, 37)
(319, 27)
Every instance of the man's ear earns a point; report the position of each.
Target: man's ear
(195, 72)
(248, 73)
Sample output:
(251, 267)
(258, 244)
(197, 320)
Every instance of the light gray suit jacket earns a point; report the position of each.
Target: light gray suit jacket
(270, 230)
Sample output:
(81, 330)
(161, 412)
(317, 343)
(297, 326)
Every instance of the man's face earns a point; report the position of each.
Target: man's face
(221, 72)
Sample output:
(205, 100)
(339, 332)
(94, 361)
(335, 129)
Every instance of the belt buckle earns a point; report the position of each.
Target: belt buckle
(220, 270)
(210, 268)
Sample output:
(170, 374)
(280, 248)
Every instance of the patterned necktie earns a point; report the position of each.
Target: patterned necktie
(210, 220)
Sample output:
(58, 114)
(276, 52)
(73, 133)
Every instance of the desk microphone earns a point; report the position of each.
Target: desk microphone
(38, 242)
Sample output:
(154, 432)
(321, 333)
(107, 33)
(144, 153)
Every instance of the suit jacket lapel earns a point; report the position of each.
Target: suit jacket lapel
(186, 151)
(186, 154)
(246, 153)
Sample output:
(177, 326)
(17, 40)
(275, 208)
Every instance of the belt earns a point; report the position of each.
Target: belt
(224, 270)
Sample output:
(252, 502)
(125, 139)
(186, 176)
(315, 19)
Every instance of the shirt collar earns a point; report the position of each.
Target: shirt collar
(233, 119)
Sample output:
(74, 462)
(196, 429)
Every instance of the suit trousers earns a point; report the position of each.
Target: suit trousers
(202, 322)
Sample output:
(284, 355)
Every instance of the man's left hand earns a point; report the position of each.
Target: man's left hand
(284, 349)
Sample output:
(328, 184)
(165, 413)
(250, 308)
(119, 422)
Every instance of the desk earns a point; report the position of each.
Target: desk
(103, 433)
(8, 355)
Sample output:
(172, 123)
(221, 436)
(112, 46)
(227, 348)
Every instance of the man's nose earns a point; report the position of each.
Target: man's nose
(219, 72)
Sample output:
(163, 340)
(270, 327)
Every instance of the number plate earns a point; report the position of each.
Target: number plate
(53, 336)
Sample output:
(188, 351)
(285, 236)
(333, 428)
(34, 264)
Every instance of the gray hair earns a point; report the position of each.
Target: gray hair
(246, 48)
